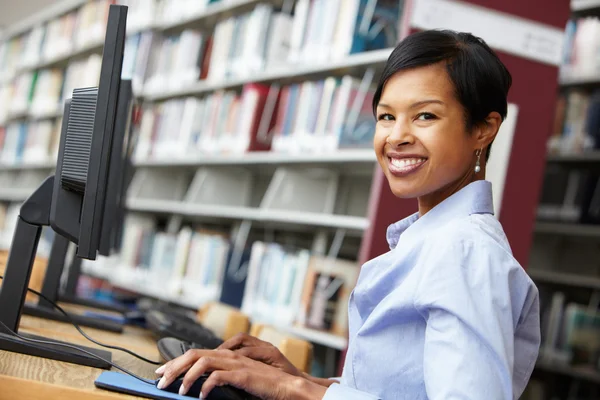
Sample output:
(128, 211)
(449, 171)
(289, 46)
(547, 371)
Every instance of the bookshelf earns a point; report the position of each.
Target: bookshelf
(566, 230)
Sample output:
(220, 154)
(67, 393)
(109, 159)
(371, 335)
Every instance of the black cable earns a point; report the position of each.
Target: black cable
(59, 308)
(50, 343)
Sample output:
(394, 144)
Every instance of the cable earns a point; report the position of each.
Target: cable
(59, 308)
(50, 343)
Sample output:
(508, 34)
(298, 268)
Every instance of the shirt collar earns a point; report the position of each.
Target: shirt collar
(475, 198)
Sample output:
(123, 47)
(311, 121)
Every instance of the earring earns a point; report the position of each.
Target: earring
(477, 166)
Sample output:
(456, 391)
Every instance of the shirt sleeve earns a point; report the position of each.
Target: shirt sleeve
(471, 294)
(337, 391)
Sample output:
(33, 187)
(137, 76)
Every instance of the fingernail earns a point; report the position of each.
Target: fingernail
(182, 390)
(201, 396)
(161, 383)
(160, 369)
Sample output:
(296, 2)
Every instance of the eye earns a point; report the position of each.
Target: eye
(385, 117)
(426, 116)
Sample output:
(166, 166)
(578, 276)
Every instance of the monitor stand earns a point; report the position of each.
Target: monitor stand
(34, 214)
(44, 309)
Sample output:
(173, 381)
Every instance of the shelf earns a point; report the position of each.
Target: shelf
(63, 59)
(249, 213)
(319, 337)
(213, 12)
(565, 279)
(29, 166)
(575, 158)
(46, 13)
(265, 158)
(579, 6)
(558, 228)
(16, 195)
(354, 62)
(147, 291)
(579, 80)
(583, 373)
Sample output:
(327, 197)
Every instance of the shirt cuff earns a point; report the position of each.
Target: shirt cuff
(339, 392)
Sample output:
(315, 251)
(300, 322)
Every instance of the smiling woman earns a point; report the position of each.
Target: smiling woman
(447, 312)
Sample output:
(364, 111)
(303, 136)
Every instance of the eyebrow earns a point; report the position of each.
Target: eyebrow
(415, 105)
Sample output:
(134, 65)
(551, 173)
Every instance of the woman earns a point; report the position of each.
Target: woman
(447, 313)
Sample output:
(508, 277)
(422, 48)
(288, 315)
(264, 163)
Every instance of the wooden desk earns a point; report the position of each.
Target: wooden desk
(27, 377)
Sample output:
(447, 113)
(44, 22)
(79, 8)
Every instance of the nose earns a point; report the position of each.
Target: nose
(400, 135)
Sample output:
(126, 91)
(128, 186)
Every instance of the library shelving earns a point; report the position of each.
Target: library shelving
(567, 232)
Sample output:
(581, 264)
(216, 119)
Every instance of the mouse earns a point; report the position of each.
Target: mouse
(218, 393)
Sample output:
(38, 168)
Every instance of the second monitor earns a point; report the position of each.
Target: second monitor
(111, 223)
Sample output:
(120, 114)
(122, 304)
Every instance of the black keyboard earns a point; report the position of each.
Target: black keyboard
(182, 327)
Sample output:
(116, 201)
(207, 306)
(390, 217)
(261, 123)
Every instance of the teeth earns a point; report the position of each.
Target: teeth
(406, 162)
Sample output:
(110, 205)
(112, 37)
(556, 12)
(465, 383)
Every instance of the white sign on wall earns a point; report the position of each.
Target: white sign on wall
(501, 31)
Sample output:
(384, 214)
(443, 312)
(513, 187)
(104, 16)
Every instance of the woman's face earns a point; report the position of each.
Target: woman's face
(421, 140)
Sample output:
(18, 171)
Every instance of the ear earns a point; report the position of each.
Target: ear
(486, 132)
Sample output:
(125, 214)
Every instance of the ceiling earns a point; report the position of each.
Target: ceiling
(14, 11)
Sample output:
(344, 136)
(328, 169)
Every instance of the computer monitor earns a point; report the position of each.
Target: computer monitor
(120, 176)
(113, 201)
(71, 201)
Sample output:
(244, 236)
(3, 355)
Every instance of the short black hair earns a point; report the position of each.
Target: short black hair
(481, 80)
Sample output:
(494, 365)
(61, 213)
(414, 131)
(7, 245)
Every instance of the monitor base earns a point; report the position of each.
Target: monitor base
(36, 310)
(59, 353)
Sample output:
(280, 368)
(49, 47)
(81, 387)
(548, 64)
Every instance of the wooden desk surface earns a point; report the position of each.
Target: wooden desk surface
(28, 377)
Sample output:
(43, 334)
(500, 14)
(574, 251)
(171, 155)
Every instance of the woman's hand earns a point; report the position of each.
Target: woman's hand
(256, 349)
(227, 367)
(259, 350)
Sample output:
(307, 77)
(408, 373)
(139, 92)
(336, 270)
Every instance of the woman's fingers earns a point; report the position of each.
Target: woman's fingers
(238, 378)
(262, 354)
(241, 340)
(174, 368)
(208, 364)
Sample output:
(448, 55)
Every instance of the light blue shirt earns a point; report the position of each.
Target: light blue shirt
(447, 313)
